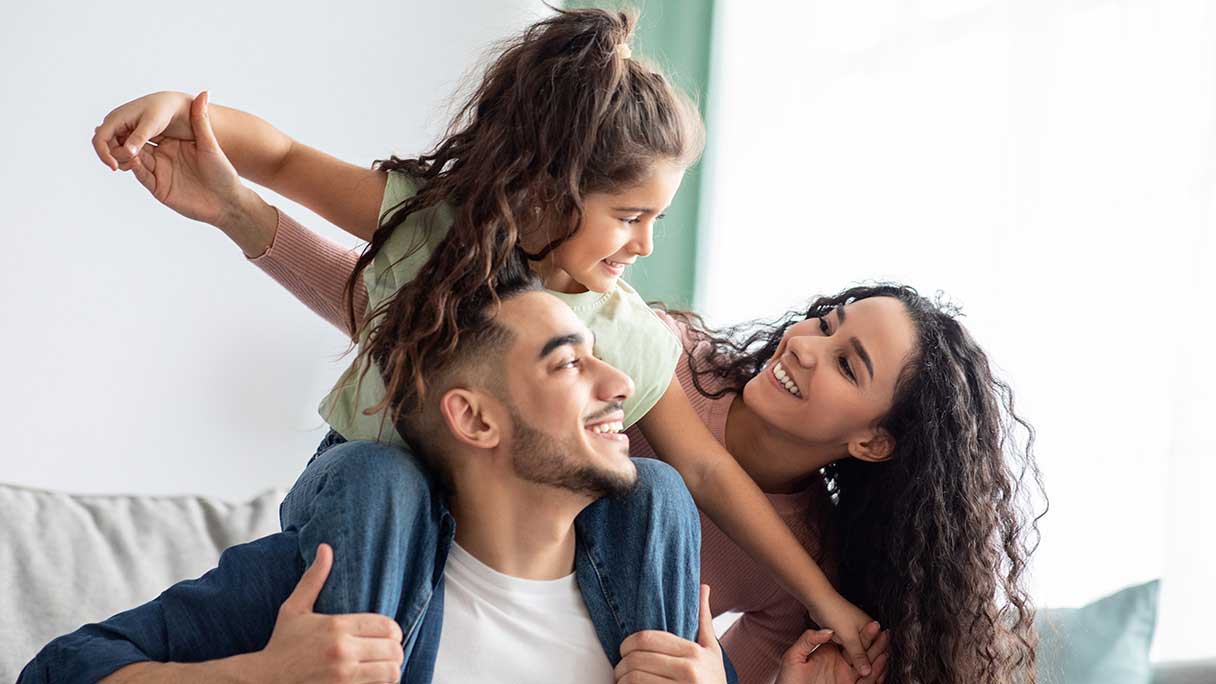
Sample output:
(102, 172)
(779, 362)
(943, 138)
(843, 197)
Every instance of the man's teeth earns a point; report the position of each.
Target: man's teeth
(786, 380)
(604, 428)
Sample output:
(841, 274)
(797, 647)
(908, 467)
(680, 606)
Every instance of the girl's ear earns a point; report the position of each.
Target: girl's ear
(470, 418)
(875, 447)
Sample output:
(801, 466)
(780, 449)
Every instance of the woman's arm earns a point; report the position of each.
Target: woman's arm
(731, 499)
(347, 195)
(315, 270)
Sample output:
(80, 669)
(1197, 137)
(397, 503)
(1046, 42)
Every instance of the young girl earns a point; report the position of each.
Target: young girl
(569, 149)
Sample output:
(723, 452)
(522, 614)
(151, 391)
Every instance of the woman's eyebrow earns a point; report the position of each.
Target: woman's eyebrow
(865, 357)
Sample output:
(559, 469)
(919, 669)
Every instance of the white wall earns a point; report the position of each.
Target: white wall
(1051, 166)
(138, 351)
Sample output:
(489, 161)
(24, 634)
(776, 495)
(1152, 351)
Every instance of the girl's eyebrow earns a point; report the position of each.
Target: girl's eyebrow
(637, 210)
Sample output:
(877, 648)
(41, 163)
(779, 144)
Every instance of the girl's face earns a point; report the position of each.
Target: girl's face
(617, 230)
(833, 378)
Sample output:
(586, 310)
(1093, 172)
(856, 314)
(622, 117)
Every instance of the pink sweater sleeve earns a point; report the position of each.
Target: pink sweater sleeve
(313, 269)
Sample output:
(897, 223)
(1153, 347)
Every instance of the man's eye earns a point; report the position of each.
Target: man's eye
(572, 363)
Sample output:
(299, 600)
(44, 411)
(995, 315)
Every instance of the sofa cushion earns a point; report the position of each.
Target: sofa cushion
(72, 559)
(1104, 642)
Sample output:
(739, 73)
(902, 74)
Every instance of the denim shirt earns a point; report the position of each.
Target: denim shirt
(232, 609)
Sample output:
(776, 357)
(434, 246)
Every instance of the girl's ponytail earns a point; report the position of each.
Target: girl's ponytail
(565, 110)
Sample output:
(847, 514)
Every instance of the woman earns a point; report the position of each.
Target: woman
(873, 421)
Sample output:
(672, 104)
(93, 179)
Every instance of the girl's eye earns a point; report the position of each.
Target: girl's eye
(823, 326)
(632, 220)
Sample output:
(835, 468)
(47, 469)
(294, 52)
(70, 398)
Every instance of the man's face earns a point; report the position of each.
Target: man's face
(565, 404)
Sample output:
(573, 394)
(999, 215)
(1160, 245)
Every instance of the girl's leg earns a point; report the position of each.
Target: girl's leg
(645, 556)
(374, 504)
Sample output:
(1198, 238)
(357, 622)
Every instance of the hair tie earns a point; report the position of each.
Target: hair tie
(624, 51)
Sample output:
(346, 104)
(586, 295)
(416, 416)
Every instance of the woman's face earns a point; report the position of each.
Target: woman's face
(833, 378)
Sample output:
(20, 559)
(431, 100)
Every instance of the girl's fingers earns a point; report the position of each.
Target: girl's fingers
(101, 145)
(879, 646)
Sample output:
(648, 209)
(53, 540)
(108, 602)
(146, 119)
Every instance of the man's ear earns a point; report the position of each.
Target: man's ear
(875, 446)
(470, 417)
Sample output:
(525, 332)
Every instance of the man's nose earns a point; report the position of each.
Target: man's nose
(612, 384)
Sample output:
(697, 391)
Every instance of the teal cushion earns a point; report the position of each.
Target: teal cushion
(1105, 642)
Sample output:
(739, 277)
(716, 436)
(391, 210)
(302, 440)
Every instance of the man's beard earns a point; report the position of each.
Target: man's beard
(544, 459)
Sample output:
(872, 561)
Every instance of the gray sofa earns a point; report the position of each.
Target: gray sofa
(70, 559)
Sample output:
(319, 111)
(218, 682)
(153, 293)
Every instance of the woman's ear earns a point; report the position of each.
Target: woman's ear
(469, 418)
(875, 447)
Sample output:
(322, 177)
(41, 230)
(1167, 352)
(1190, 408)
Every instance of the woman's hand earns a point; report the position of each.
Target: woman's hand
(194, 178)
(851, 628)
(149, 118)
(813, 660)
(654, 656)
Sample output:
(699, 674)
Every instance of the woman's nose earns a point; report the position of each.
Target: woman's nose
(805, 350)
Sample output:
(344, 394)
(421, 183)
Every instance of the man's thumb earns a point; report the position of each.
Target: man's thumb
(310, 585)
(200, 122)
(705, 635)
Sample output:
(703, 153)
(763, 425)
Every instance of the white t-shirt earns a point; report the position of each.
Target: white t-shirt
(498, 628)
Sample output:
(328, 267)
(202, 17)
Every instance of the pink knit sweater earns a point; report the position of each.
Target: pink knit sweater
(315, 271)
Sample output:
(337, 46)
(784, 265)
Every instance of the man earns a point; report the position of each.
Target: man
(553, 546)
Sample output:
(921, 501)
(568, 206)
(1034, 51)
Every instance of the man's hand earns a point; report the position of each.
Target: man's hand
(310, 647)
(304, 647)
(654, 656)
(813, 660)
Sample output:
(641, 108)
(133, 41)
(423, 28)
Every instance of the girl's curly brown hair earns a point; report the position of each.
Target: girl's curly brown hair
(934, 541)
(562, 112)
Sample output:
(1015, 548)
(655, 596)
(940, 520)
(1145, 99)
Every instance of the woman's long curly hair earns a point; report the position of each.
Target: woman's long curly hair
(934, 541)
(562, 112)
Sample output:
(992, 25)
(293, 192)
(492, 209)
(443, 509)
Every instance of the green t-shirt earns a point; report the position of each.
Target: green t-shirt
(628, 334)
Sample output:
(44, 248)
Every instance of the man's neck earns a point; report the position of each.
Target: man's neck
(519, 529)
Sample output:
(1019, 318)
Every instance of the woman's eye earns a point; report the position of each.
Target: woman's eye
(823, 326)
(844, 366)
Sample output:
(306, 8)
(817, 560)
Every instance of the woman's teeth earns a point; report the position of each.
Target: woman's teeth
(607, 428)
(785, 379)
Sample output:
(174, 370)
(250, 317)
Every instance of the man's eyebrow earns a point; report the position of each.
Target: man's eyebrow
(571, 340)
(865, 357)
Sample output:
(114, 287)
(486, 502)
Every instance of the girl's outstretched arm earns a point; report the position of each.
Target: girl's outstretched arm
(196, 179)
(725, 492)
(347, 195)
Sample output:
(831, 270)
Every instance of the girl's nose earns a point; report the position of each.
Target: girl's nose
(643, 239)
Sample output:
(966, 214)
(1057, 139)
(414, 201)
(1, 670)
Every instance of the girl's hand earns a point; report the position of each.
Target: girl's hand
(149, 118)
(654, 656)
(195, 179)
(852, 629)
(813, 660)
